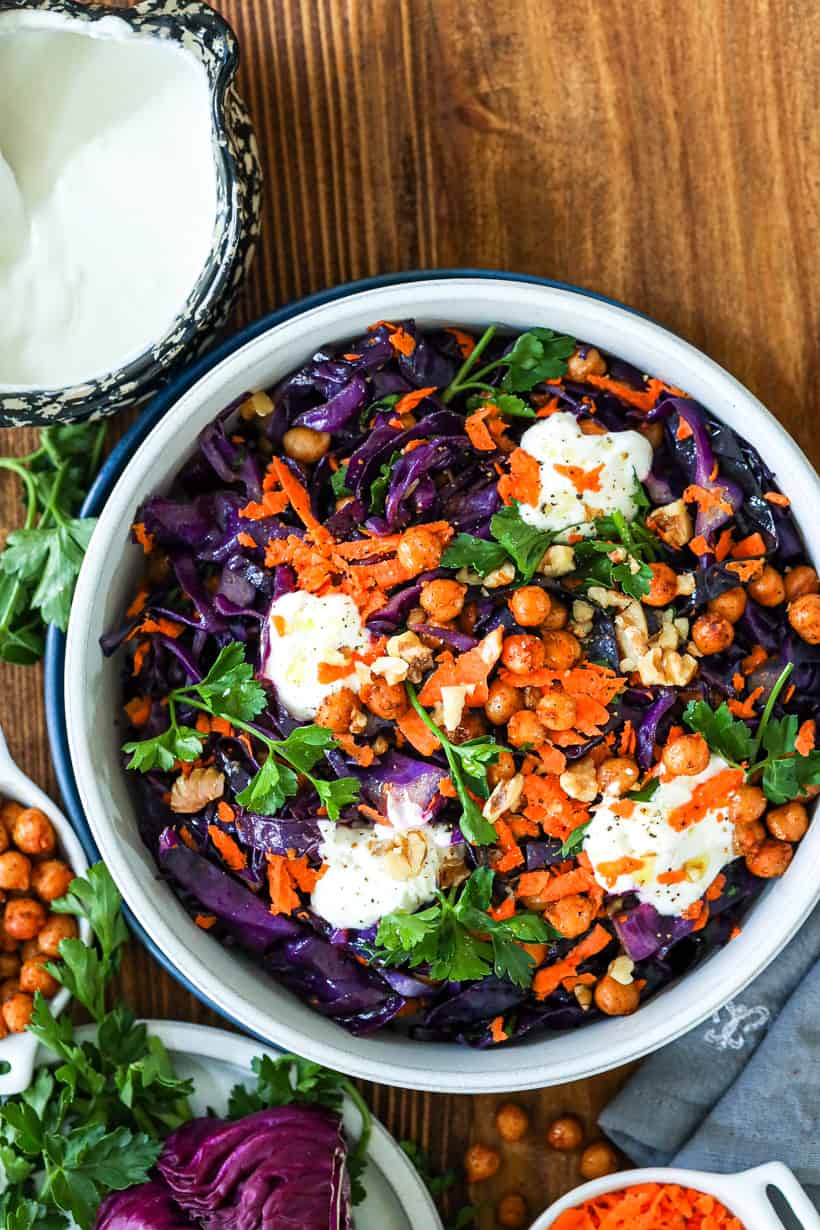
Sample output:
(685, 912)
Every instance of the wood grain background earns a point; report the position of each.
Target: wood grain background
(663, 153)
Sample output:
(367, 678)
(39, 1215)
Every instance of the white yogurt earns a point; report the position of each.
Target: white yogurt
(367, 873)
(623, 457)
(701, 849)
(107, 191)
(303, 631)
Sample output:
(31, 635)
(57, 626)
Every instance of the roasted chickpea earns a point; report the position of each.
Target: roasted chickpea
(525, 728)
(386, 700)
(35, 977)
(4, 1033)
(8, 988)
(768, 589)
(511, 1211)
(571, 915)
(557, 618)
(4, 838)
(800, 580)
(501, 770)
(481, 1162)
(712, 633)
(511, 1121)
(747, 837)
(804, 617)
(597, 1160)
(9, 811)
(337, 710)
(530, 606)
(471, 726)
(615, 999)
(419, 550)
(17, 1012)
(653, 433)
(51, 879)
(29, 949)
(503, 700)
(557, 710)
(617, 775)
(7, 942)
(663, 588)
(788, 822)
(686, 756)
(9, 965)
(468, 618)
(304, 444)
(24, 918)
(562, 650)
(443, 600)
(522, 653)
(746, 804)
(33, 832)
(770, 859)
(590, 363)
(15, 871)
(565, 1133)
(729, 605)
(57, 927)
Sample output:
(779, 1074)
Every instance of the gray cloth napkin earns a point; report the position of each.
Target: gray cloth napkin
(741, 1089)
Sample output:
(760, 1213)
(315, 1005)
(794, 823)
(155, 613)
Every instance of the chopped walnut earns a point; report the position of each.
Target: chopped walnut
(621, 970)
(584, 996)
(409, 648)
(686, 584)
(631, 633)
(557, 561)
(406, 854)
(258, 405)
(580, 780)
(453, 699)
(504, 575)
(583, 614)
(505, 797)
(591, 364)
(672, 523)
(392, 670)
(200, 787)
(666, 667)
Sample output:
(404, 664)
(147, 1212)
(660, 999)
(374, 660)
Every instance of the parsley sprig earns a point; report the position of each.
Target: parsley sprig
(93, 1123)
(611, 534)
(784, 774)
(468, 764)
(40, 562)
(229, 691)
(459, 941)
(537, 355)
(514, 538)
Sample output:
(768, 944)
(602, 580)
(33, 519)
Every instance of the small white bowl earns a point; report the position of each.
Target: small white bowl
(19, 1049)
(743, 1194)
(233, 983)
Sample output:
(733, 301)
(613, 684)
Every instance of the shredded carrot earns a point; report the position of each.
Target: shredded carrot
(804, 743)
(363, 756)
(532, 884)
(417, 734)
(738, 682)
(706, 796)
(138, 603)
(299, 499)
(641, 399)
(446, 788)
(225, 812)
(245, 540)
(684, 430)
(497, 1031)
(168, 627)
(581, 479)
(138, 710)
(205, 921)
(465, 343)
(139, 656)
(283, 896)
(628, 741)
(776, 497)
(141, 535)
(623, 807)
(699, 545)
(523, 482)
(672, 877)
(735, 932)
(408, 403)
(329, 672)
(746, 570)
(553, 406)
(723, 545)
(745, 708)
(477, 430)
(552, 758)
(716, 887)
(706, 498)
(501, 912)
(616, 867)
(271, 504)
(229, 851)
(351, 358)
(649, 1206)
(748, 547)
(402, 341)
(186, 837)
(549, 979)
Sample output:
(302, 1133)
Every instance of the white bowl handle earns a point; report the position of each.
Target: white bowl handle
(775, 1174)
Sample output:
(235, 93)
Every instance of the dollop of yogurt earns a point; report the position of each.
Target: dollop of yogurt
(669, 867)
(375, 870)
(583, 477)
(304, 631)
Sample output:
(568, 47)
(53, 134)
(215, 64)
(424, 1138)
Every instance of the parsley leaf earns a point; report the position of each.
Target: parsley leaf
(505, 403)
(381, 484)
(535, 356)
(465, 551)
(230, 686)
(575, 840)
(289, 1079)
(165, 749)
(728, 736)
(459, 941)
(338, 483)
(267, 790)
(523, 542)
(644, 793)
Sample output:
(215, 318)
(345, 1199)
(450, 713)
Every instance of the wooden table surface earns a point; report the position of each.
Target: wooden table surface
(663, 153)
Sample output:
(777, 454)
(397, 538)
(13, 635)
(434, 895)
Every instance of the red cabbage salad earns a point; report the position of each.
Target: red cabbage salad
(470, 682)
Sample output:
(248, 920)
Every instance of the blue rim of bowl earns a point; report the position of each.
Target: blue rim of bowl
(106, 480)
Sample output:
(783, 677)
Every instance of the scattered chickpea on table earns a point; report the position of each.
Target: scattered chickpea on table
(30, 934)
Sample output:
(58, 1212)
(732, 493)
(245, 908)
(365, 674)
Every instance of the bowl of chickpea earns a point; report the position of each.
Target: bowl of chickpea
(626, 1007)
(39, 857)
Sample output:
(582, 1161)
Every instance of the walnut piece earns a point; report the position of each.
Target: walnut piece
(200, 787)
(672, 523)
(409, 648)
(621, 970)
(505, 797)
(580, 780)
(392, 670)
(666, 667)
(557, 561)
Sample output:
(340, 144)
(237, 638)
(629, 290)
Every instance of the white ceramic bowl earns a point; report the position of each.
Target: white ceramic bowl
(92, 689)
(19, 1050)
(743, 1194)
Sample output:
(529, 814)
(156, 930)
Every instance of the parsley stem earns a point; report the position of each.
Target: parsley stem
(767, 712)
(16, 467)
(469, 363)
